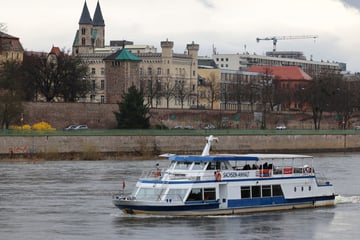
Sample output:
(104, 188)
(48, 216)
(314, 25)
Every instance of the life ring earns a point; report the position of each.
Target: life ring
(218, 176)
(307, 170)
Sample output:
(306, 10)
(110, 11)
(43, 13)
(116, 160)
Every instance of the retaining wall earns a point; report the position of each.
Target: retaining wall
(153, 145)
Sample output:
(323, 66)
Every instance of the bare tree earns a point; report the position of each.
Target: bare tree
(181, 92)
(168, 90)
(3, 27)
(213, 90)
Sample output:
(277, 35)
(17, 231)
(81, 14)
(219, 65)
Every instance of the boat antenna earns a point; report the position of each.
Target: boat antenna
(210, 139)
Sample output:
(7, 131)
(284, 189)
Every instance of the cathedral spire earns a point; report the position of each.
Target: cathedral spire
(98, 18)
(85, 16)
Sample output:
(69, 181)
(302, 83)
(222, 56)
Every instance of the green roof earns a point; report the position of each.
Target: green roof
(123, 55)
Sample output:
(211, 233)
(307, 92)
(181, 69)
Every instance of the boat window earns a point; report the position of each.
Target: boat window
(218, 165)
(224, 165)
(276, 190)
(172, 165)
(245, 192)
(211, 166)
(149, 194)
(255, 191)
(199, 166)
(183, 165)
(209, 194)
(176, 194)
(266, 191)
(195, 195)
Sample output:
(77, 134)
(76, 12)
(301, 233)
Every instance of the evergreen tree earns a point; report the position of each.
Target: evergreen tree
(133, 113)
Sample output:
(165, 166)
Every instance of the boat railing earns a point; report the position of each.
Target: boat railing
(154, 174)
(321, 180)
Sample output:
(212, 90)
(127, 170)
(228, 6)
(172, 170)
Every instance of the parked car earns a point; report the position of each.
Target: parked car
(357, 128)
(70, 127)
(76, 127)
(209, 126)
(189, 127)
(280, 127)
(81, 127)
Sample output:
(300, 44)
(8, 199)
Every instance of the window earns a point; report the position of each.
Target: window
(266, 191)
(256, 193)
(159, 71)
(195, 195)
(83, 41)
(194, 73)
(198, 166)
(102, 71)
(93, 71)
(149, 72)
(245, 192)
(92, 98)
(149, 194)
(102, 99)
(209, 194)
(276, 190)
(93, 85)
(176, 194)
(83, 31)
(102, 84)
(183, 165)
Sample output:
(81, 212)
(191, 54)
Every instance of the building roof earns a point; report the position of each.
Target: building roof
(5, 35)
(10, 43)
(123, 55)
(98, 19)
(282, 72)
(85, 16)
(55, 50)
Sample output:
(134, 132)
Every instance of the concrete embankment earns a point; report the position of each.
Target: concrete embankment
(149, 146)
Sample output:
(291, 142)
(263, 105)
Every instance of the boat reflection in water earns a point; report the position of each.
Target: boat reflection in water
(224, 184)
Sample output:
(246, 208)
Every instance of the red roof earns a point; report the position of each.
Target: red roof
(282, 72)
(55, 50)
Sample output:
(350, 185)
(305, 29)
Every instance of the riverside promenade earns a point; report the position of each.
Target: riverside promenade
(141, 144)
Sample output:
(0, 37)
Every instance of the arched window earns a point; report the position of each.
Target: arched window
(83, 31)
(83, 41)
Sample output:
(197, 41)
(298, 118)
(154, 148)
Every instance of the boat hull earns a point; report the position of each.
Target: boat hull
(208, 209)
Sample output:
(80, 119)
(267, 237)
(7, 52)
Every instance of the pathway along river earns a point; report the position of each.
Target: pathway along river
(72, 200)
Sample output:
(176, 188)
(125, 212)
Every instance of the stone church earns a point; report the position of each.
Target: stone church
(168, 79)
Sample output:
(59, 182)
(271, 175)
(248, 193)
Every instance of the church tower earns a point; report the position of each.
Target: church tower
(98, 28)
(91, 32)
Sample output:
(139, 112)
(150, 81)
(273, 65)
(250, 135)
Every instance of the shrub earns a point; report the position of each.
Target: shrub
(42, 126)
(26, 127)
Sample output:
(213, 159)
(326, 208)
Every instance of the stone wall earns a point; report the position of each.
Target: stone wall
(101, 116)
(151, 146)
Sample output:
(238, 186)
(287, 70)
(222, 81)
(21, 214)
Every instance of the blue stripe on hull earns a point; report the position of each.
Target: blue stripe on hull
(258, 202)
(232, 204)
(180, 208)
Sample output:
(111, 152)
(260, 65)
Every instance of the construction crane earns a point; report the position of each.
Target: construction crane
(276, 38)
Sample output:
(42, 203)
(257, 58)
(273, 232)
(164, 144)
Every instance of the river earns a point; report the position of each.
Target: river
(72, 200)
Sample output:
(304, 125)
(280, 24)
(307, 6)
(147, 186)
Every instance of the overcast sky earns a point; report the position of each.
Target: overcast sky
(232, 26)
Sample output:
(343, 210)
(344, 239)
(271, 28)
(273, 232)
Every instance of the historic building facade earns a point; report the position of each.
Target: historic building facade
(10, 48)
(168, 79)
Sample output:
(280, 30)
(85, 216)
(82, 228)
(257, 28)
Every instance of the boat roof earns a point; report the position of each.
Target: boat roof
(231, 157)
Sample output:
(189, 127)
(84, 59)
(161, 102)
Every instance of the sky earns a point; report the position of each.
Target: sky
(231, 26)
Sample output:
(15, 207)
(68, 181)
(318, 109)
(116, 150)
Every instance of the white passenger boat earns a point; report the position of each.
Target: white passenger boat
(205, 184)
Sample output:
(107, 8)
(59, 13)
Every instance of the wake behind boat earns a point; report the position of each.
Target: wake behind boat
(195, 185)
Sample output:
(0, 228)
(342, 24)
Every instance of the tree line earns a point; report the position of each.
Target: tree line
(40, 78)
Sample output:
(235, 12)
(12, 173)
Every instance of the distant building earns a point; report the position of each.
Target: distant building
(244, 61)
(288, 83)
(10, 48)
